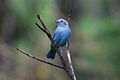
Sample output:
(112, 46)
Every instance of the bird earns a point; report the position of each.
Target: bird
(60, 37)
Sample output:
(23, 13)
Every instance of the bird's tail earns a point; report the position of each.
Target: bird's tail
(51, 53)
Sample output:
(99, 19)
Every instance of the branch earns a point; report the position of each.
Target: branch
(41, 21)
(70, 62)
(50, 37)
(71, 70)
(45, 28)
(56, 47)
(38, 59)
(41, 28)
(69, 12)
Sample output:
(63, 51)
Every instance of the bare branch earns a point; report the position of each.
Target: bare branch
(41, 21)
(56, 47)
(50, 37)
(45, 28)
(63, 61)
(39, 59)
(71, 71)
(41, 28)
(70, 9)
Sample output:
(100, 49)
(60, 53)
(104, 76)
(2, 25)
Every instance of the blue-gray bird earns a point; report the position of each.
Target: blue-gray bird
(60, 37)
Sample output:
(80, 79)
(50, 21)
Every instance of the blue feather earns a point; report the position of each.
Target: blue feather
(60, 37)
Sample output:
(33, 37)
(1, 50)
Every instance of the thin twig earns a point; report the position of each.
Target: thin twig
(45, 28)
(71, 70)
(41, 21)
(41, 28)
(70, 62)
(39, 59)
(69, 12)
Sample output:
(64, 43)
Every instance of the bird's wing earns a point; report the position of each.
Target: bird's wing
(66, 35)
(57, 35)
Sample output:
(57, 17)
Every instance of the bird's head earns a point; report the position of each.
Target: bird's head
(62, 22)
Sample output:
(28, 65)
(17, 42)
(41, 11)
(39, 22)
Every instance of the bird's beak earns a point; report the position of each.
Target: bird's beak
(57, 21)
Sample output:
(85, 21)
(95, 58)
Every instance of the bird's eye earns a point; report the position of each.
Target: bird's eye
(61, 21)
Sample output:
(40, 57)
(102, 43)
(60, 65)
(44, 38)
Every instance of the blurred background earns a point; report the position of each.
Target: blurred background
(94, 43)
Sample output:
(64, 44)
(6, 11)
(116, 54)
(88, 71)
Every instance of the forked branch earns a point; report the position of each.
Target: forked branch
(69, 69)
